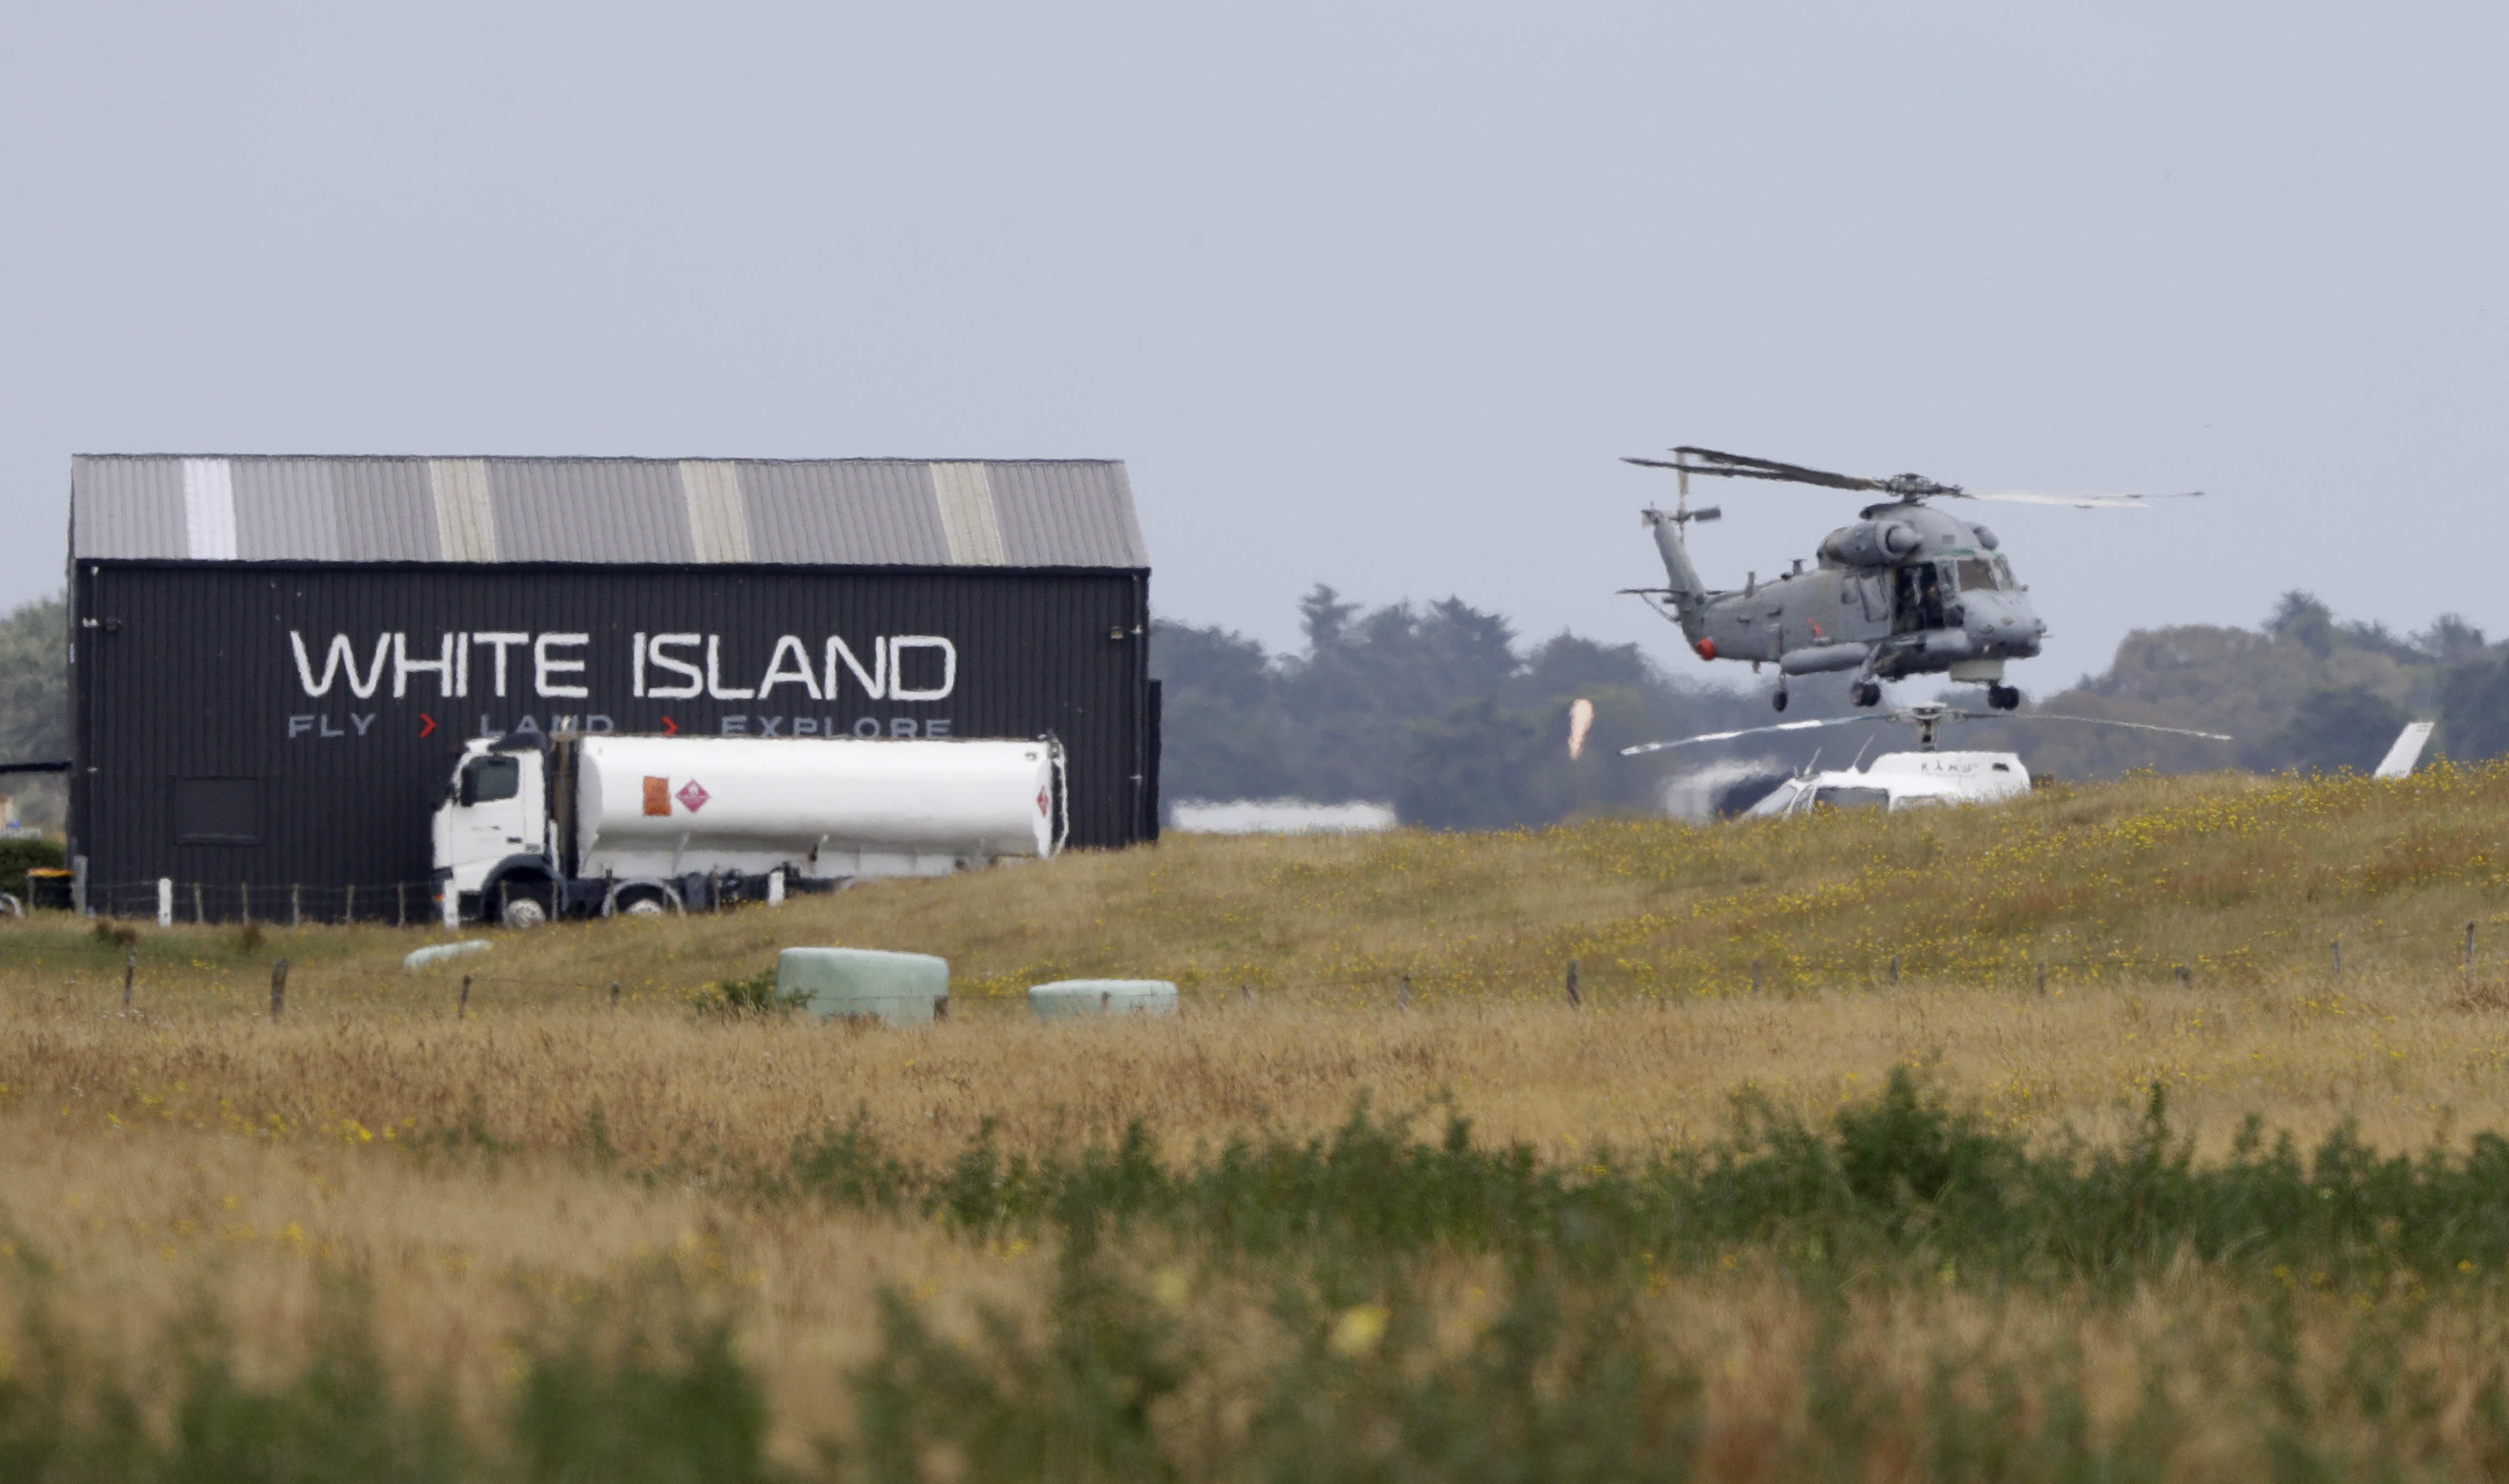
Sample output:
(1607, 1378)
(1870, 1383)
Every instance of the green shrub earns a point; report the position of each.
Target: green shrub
(756, 995)
(1903, 1181)
(17, 857)
(635, 1412)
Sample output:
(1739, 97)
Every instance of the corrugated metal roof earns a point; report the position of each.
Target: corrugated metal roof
(1045, 512)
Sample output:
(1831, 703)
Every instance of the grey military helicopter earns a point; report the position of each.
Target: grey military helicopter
(1908, 589)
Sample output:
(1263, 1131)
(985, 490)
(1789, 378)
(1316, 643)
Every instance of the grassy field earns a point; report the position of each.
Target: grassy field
(1758, 1208)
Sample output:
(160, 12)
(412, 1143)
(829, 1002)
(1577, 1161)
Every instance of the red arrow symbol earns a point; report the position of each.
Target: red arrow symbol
(670, 729)
(430, 723)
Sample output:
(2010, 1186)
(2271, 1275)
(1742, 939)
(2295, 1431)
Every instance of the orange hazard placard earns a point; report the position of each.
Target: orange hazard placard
(657, 795)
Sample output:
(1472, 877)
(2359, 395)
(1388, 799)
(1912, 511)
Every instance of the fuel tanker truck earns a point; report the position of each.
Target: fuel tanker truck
(530, 827)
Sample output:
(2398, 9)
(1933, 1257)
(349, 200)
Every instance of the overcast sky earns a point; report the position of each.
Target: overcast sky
(1372, 295)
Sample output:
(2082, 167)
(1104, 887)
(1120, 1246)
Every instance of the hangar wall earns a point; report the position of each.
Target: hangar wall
(263, 728)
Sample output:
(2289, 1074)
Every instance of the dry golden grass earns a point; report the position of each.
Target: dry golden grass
(2403, 1056)
(191, 1149)
(461, 1257)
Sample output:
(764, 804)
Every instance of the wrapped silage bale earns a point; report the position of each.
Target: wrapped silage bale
(899, 988)
(1075, 999)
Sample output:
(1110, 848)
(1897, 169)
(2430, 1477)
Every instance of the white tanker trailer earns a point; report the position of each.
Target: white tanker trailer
(529, 827)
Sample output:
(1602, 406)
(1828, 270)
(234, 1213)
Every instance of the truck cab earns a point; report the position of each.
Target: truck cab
(494, 834)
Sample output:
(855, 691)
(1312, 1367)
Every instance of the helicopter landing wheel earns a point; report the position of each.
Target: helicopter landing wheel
(1778, 700)
(1865, 693)
(2003, 698)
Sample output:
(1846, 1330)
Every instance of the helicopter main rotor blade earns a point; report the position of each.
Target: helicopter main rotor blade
(1744, 466)
(1840, 483)
(2078, 501)
(2179, 731)
(1748, 732)
(1918, 715)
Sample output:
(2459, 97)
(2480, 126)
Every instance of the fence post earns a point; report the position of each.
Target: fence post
(775, 887)
(613, 995)
(198, 915)
(1894, 968)
(243, 894)
(1756, 978)
(2469, 951)
(714, 889)
(129, 970)
(461, 1007)
(504, 898)
(2337, 947)
(349, 908)
(451, 900)
(295, 905)
(2043, 976)
(1403, 996)
(277, 991)
(2186, 977)
(78, 886)
(165, 901)
(400, 903)
(1575, 1000)
(1246, 994)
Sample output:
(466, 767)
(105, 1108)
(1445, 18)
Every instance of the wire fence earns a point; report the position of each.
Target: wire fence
(403, 903)
(1398, 987)
(293, 904)
(414, 905)
(167, 902)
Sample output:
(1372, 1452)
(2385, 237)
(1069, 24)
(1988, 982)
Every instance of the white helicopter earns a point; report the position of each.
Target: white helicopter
(1926, 778)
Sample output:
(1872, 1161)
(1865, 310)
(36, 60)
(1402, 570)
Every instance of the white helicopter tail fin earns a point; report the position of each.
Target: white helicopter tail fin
(2406, 751)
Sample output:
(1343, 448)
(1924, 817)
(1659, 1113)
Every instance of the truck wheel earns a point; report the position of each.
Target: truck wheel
(645, 907)
(524, 913)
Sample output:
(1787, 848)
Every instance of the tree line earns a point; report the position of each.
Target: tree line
(1445, 712)
(1438, 709)
(35, 705)
(1441, 710)
(2304, 689)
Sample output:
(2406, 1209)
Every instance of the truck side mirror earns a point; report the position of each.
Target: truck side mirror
(470, 791)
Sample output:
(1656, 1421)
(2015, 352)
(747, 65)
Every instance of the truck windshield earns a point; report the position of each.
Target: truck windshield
(1853, 798)
(489, 779)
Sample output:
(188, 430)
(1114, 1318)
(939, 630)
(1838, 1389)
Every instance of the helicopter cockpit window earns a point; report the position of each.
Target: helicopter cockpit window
(1920, 597)
(1977, 574)
(1779, 800)
(2003, 574)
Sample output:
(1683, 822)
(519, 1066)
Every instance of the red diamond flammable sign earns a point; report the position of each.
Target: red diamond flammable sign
(693, 795)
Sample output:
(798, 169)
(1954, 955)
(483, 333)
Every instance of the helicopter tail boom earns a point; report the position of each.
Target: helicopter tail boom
(1683, 589)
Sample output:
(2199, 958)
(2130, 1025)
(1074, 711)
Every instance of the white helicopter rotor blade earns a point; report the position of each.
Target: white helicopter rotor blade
(2085, 502)
(1748, 732)
(2179, 731)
